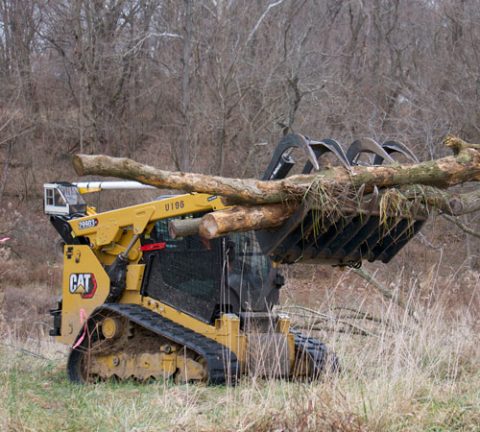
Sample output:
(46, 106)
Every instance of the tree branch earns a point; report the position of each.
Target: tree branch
(449, 203)
(262, 17)
(462, 226)
(386, 293)
(336, 181)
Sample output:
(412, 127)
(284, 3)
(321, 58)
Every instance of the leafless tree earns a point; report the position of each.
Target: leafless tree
(210, 85)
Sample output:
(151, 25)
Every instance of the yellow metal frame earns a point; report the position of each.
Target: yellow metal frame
(80, 259)
(108, 234)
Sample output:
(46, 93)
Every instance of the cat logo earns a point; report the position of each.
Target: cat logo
(84, 284)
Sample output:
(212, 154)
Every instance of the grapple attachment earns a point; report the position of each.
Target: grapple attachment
(346, 237)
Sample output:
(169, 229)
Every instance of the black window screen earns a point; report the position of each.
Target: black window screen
(249, 272)
(248, 256)
(187, 274)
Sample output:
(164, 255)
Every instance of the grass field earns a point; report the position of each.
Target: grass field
(408, 377)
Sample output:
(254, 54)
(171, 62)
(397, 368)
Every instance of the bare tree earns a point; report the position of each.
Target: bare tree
(210, 86)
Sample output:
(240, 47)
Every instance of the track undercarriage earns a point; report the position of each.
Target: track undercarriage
(130, 342)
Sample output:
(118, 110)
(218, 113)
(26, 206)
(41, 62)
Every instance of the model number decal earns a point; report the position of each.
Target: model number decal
(89, 223)
(84, 284)
(176, 205)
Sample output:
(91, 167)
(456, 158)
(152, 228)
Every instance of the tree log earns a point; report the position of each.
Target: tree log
(450, 203)
(251, 218)
(462, 167)
(332, 189)
(183, 227)
(244, 218)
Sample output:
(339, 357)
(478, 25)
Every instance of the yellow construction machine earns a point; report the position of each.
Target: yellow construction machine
(139, 304)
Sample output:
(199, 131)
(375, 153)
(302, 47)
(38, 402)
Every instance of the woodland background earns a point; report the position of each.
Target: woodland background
(210, 86)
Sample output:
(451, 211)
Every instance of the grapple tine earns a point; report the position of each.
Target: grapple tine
(362, 232)
(369, 227)
(389, 253)
(366, 249)
(322, 147)
(361, 191)
(349, 232)
(312, 157)
(366, 145)
(389, 237)
(395, 147)
(328, 237)
(281, 162)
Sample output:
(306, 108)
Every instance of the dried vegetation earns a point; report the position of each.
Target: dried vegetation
(409, 375)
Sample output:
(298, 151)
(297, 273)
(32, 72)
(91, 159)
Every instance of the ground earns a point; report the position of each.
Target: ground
(402, 370)
(413, 379)
(404, 375)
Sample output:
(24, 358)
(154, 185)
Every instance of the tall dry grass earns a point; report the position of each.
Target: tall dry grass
(413, 372)
(412, 375)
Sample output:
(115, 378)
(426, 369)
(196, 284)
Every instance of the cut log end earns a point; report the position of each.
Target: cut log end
(209, 228)
(243, 218)
(78, 164)
(183, 227)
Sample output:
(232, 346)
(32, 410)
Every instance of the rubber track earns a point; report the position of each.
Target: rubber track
(317, 351)
(221, 362)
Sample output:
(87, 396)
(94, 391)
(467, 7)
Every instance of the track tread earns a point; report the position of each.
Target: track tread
(317, 351)
(221, 363)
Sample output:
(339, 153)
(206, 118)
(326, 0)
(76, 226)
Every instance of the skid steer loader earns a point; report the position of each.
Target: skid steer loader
(139, 304)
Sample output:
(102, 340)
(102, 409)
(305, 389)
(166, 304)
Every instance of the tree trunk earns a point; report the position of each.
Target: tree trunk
(338, 181)
(183, 227)
(244, 218)
(6, 165)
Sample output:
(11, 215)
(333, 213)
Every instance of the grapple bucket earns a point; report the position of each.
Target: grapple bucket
(351, 236)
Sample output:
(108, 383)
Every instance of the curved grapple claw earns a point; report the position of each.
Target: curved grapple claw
(324, 146)
(395, 147)
(282, 162)
(366, 145)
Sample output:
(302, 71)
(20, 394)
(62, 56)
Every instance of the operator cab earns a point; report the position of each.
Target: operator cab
(63, 199)
(206, 277)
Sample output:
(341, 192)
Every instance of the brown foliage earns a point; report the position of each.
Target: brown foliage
(210, 86)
